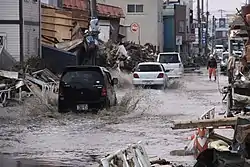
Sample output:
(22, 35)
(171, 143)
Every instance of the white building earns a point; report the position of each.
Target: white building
(148, 14)
(20, 28)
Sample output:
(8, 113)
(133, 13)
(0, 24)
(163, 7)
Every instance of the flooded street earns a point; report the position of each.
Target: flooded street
(82, 139)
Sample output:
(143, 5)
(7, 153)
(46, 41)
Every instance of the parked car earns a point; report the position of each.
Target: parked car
(172, 63)
(86, 88)
(150, 74)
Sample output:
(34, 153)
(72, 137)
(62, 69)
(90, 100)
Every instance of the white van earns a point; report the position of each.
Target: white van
(172, 63)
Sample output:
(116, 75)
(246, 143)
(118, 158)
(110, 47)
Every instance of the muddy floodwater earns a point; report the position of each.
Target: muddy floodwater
(37, 135)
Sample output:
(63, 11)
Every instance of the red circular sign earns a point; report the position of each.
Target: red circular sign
(134, 27)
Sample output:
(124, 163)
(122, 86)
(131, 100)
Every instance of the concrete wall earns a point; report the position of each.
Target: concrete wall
(150, 20)
(31, 28)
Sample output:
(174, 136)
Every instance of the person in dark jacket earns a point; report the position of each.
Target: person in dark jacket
(211, 67)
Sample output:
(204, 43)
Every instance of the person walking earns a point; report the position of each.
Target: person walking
(211, 67)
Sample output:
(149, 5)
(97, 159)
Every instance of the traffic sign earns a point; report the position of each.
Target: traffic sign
(179, 40)
(134, 27)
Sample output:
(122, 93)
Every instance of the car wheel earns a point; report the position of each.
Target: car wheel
(62, 110)
(95, 111)
(107, 104)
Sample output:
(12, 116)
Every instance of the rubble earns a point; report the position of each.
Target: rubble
(42, 84)
(126, 56)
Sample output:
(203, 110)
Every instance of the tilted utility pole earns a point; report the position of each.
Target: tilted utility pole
(206, 44)
(93, 11)
(199, 27)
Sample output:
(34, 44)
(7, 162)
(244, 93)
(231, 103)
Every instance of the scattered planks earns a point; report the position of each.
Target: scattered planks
(215, 123)
(58, 23)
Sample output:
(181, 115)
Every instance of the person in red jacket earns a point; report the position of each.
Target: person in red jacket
(211, 67)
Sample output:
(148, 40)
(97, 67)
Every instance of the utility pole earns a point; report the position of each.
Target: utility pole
(93, 11)
(221, 12)
(202, 10)
(206, 45)
(199, 26)
(89, 54)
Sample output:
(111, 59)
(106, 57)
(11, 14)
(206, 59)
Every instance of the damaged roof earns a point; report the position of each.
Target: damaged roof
(237, 22)
(104, 10)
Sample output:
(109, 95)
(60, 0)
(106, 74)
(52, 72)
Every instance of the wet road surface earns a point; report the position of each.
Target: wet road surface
(47, 137)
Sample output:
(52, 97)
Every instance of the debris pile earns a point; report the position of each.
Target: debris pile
(41, 84)
(125, 57)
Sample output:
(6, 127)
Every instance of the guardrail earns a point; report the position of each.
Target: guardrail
(132, 156)
(208, 114)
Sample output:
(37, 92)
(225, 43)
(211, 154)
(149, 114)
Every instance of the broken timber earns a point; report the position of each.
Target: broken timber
(214, 123)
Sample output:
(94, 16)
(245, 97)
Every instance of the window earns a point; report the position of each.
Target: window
(80, 79)
(169, 58)
(181, 26)
(109, 77)
(139, 8)
(132, 8)
(149, 68)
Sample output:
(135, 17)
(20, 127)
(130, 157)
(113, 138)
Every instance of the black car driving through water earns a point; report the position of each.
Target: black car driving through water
(86, 88)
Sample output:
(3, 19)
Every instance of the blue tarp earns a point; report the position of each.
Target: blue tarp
(56, 60)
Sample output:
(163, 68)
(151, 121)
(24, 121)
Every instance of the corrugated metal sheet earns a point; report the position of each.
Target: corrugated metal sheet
(76, 4)
(108, 10)
(12, 39)
(6, 60)
(103, 9)
(9, 10)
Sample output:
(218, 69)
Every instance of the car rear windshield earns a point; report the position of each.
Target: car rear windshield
(82, 78)
(169, 58)
(149, 68)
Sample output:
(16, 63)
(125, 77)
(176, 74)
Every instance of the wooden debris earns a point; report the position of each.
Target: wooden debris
(112, 58)
(215, 123)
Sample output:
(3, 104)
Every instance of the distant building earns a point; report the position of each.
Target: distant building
(20, 28)
(146, 13)
(178, 21)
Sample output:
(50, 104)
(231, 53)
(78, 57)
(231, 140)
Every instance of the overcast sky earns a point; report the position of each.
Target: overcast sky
(228, 5)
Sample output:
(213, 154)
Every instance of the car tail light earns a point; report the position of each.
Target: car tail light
(161, 75)
(104, 92)
(136, 75)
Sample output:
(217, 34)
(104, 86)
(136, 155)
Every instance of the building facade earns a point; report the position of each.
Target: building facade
(147, 14)
(20, 28)
(178, 20)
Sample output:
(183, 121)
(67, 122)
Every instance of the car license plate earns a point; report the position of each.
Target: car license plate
(82, 107)
(147, 82)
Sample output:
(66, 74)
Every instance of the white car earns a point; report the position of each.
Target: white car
(150, 74)
(172, 64)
